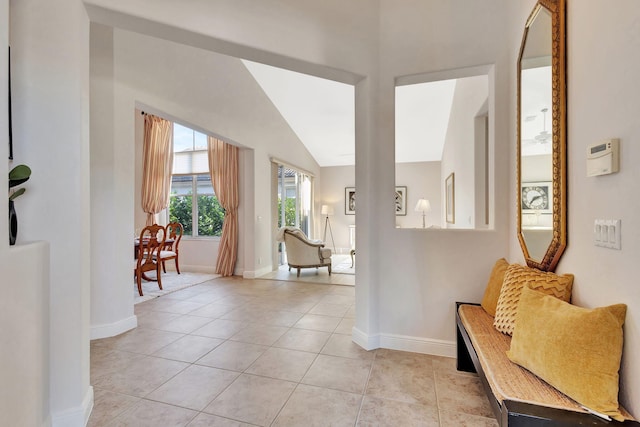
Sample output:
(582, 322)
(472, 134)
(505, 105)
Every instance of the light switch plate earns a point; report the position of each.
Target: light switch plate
(607, 233)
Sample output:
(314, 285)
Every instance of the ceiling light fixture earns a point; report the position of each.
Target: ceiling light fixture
(544, 136)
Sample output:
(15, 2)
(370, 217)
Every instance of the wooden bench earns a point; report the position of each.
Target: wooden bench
(517, 397)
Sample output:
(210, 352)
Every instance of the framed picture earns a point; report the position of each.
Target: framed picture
(450, 194)
(536, 197)
(401, 201)
(350, 201)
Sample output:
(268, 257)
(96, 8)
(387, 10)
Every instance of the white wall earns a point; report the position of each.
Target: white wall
(422, 180)
(51, 126)
(603, 100)
(417, 280)
(459, 151)
(330, 191)
(24, 308)
(51, 129)
(111, 231)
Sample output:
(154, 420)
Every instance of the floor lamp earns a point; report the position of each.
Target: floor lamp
(327, 210)
(423, 206)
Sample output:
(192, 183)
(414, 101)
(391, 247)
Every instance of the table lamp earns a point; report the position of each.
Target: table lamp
(423, 206)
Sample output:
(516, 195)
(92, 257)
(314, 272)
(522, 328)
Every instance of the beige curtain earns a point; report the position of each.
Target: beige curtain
(223, 166)
(157, 161)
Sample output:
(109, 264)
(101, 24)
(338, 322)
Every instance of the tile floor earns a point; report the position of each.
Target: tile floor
(234, 352)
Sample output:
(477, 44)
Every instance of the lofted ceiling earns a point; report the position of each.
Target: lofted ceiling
(321, 113)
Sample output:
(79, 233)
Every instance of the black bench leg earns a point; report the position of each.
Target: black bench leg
(464, 362)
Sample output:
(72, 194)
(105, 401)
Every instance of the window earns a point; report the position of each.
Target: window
(193, 202)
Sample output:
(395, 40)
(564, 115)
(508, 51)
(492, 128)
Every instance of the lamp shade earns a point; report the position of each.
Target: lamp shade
(326, 210)
(423, 205)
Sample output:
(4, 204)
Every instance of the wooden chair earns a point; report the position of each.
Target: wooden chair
(151, 242)
(170, 250)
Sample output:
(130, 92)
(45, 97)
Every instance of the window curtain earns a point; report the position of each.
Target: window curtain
(223, 167)
(157, 162)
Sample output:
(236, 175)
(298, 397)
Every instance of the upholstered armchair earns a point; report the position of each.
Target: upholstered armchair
(303, 252)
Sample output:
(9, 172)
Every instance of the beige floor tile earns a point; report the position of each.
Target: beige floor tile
(220, 328)
(206, 420)
(184, 324)
(107, 405)
(460, 419)
(299, 306)
(403, 388)
(344, 290)
(233, 355)
(283, 364)
(405, 359)
(145, 341)
(338, 373)
(345, 326)
(462, 393)
(282, 318)
(153, 414)
(333, 298)
(112, 361)
(399, 377)
(154, 319)
(246, 313)
(318, 323)
(303, 339)
(174, 305)
(383, 412)
(213, 310)
(351, 313)
(236, 300)
(189, 348)
(194, 388)
(448, 364)
(343, 346)
(141, 377)
(260, 334)
(187, 293)
(204, 297)
(328, 309)
(252, 399)
(315, 406)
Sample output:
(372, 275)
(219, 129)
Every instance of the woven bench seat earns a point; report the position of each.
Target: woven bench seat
(508, 381)
(518, 396)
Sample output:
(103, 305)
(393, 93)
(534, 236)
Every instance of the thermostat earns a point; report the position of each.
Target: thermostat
(603, 157)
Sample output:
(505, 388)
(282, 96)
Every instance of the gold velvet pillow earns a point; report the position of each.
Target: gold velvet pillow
(515, 278)
(492, 291)
(576, 350)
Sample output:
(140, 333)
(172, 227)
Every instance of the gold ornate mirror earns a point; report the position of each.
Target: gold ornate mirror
(541, 141)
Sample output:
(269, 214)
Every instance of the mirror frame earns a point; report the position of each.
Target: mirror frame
(559, 132)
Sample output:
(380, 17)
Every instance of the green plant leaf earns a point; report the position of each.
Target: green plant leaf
(19, 175)
(17, 193)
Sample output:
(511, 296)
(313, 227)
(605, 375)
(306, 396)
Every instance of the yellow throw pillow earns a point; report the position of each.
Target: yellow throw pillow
(492, 291)
(515, 278)
(576, 350)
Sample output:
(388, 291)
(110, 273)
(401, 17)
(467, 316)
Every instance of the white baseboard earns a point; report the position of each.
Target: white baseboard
(404, 343)
(75, 417)
(113, 329)
(248, 274)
